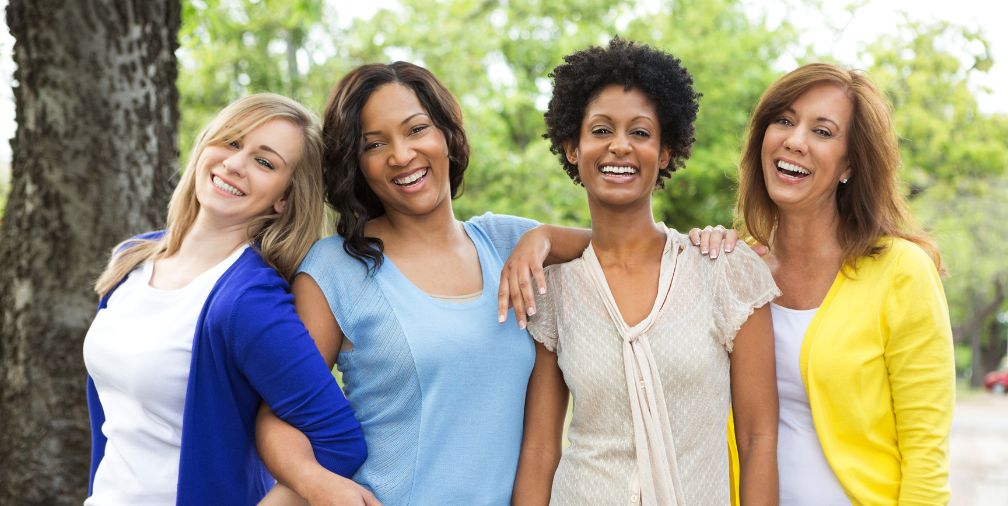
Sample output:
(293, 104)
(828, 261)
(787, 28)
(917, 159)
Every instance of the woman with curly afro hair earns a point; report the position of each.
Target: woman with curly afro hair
(653, 340)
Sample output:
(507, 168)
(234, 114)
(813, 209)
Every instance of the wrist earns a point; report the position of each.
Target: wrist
(309, 481)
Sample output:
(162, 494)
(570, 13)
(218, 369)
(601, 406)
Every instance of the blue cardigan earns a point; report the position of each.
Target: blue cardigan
(250, 346)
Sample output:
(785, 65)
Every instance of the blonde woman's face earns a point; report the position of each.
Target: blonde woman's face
(804, 154)
(245, 178)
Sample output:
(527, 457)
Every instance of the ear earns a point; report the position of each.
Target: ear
(571, 151)
(281, 205)
(846, 175)
(665, 157)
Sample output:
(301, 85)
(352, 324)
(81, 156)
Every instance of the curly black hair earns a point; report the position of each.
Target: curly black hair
(661, 77)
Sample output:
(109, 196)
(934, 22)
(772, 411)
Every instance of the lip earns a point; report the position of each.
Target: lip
(228, 181)
(787, 177)
(414, 186)
(619, 178)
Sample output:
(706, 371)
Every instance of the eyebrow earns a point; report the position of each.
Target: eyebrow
(635, 118)
(271, 150)
(403, 122)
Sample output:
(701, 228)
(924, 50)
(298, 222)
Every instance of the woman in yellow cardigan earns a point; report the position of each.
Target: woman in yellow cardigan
(863, 343)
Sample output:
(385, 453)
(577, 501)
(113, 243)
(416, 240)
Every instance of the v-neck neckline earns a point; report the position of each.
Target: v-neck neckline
(666, 276)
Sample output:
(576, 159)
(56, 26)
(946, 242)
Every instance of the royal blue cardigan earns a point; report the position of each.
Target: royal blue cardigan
(249, 347)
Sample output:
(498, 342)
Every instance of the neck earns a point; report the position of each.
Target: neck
(620, 235)
(437, 227)
(210, 242)
(807, 237)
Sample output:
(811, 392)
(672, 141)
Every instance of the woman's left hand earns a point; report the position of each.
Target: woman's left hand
(516, 282)
(712, 240)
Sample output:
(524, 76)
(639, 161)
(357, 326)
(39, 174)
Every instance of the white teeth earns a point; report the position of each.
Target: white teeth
(219, 183)
(612, 169)
(410, 179)
(790, 167)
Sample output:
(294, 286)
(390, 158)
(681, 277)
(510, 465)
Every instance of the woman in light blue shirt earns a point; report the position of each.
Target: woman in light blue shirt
(405, 298)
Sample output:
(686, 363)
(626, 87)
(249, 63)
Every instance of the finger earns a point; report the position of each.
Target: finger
(370, 499)
(705, 236)
(731, 237)
(516, 300)
(540, 279)
(503, 298)
(694, 236)
(716, 241)
(525, 287)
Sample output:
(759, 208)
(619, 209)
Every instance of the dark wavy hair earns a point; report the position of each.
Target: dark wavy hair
(346, 189)
(659, 75)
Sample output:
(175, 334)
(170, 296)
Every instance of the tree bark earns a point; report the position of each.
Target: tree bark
(94, 156)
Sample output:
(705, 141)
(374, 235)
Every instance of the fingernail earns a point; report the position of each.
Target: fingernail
(531, 311)
(501, 318)
(703, 251)
(542, 290)
(713, 254)
(729, 249)
(521, 324)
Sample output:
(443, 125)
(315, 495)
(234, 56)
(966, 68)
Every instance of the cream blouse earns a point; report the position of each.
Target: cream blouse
(656, 436)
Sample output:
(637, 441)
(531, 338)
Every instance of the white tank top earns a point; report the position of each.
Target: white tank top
(805, 475)
(138, 352)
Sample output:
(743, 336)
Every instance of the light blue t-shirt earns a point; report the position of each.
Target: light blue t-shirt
(438, 386)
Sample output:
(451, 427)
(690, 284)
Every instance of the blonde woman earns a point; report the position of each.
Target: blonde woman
(196, 326)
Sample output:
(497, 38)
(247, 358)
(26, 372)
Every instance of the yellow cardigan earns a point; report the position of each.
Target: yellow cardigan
(877, 364)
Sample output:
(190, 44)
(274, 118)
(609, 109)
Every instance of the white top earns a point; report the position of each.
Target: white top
(651, 400)
(138, 352)
(805, 475)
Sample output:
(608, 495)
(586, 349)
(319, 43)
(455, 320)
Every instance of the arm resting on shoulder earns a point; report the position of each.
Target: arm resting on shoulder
(754, 403)
(545, 411)
(541, 246)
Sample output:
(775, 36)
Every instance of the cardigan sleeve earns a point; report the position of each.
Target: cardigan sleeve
(919, 359)
(279, 358)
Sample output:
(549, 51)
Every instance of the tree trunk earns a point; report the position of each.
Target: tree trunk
(94, 157)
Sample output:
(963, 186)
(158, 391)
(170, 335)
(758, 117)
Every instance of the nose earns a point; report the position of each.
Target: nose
(795, 141)
(402, 154)
(620, 145)
(235, 163)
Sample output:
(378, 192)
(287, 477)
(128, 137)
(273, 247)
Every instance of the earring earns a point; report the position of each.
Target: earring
(843, 181)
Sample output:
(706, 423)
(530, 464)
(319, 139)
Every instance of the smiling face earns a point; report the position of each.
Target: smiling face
(804, 153)
(245, 178)
(405, 156)
(619, 151)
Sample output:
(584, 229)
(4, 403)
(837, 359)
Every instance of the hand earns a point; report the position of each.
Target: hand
(714, 239)
(524, 265)
(335, 490)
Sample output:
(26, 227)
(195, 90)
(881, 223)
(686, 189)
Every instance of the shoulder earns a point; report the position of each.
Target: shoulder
(249, 274)
(899, 257)
(328, 254)
(501, 224)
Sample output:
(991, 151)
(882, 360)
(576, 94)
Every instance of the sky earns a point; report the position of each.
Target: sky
(872, 19)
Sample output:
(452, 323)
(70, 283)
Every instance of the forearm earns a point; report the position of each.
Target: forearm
(280, 495)
(288, 454)
(534, 478)
(565, 243)
(758, 483)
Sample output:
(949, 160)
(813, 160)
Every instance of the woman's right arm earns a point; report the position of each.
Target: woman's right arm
(286, 452)
(545, 411)
(541, 246)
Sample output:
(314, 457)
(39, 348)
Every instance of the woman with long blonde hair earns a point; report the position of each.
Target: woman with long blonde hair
(196, 325)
